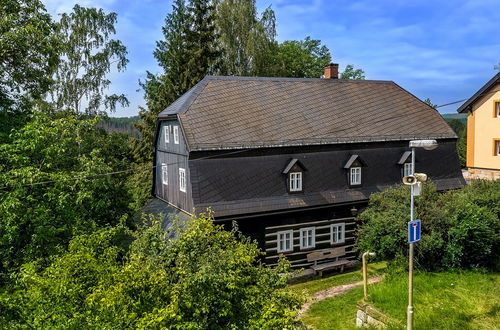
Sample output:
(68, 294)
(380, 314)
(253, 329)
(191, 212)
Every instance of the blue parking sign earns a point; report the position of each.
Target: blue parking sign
(414, 231)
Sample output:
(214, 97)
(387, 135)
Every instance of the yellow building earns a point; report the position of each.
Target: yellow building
(483, 130)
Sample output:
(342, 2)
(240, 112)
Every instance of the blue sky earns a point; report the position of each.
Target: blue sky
(441, 49)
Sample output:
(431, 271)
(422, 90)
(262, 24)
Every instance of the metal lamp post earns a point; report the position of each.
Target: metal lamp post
(427, 145)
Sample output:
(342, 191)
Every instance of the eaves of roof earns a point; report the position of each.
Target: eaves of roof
(483, 90)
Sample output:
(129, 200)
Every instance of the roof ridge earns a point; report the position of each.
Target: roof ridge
(294, 79)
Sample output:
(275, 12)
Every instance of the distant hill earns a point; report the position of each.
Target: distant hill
(121, 125)
(458, 116)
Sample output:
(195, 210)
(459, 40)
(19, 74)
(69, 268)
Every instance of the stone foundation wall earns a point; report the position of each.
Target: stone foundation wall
(367, 315)
(480, 173)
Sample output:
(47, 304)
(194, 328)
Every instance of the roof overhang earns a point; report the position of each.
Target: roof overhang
(467, 106)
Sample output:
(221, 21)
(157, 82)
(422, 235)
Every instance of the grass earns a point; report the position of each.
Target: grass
(311, 287)
(447, 300)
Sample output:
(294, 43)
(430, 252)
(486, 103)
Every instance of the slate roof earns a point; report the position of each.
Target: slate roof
(483, 90)
(251, 112)
(254, 184)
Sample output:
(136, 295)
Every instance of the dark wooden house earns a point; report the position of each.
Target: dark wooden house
(291, 159)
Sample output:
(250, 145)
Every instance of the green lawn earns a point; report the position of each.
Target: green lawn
(447, 300)
(311, 287)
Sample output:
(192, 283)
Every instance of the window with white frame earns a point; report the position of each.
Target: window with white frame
(407, 169)
(355, 176)
(285, 241)
(166, 132)
(176, 134)
(497, 147)
(337, 233)
(497, 109)
(295, 179)
(182, 179)
(307, 238)
(164, 174)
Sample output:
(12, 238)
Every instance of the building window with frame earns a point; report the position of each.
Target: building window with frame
(407, 169)
(307, 238)
(164, 174)
(295, 181)
(496, 146)
(182, 179)
(355, 176)
(176, 134)
(337, 233)
(285, 241)
(496, 105)
(166, 131)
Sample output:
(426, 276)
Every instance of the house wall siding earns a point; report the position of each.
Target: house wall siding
(175, 156)
(485, 128)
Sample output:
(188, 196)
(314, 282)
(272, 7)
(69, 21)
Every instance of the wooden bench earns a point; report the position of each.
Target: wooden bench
(327, 254)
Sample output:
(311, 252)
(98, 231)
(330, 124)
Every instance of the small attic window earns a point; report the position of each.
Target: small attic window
(354, 165)
(497, 108)
(295, 174)
(405, 162)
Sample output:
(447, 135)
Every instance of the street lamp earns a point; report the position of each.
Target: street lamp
(427, 145)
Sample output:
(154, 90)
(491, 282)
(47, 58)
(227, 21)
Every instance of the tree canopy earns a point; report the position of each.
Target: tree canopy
(87, 54)
(203, 278)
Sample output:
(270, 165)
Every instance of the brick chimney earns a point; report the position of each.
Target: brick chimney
(331, 71)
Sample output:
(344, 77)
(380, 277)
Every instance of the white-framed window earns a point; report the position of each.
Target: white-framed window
(164, 174)
(497, 109)
(176, 134)
(182, 179)
(166, 133)
(295, 181)
(407, 169)
(497, 147)
(285, 241)
(337, 233)
(355, 175)
(307, 238)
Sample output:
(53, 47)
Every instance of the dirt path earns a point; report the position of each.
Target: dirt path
(335, 291)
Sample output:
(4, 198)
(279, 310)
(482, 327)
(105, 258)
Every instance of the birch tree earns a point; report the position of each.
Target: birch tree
(87, 57)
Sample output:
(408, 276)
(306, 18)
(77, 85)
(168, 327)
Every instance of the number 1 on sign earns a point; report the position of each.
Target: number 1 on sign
(414, 231)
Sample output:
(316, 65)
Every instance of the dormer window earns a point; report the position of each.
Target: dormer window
(295, 174)
(295, 180)
(405, 162)
(407, 169)
(355, 168)
(355, 176)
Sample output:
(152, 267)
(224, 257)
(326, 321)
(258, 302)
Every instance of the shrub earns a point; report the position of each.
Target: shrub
(459, 228)
(205, 278)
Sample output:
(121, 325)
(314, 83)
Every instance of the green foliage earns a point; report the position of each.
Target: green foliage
(429, 102)
(244, 40)
(204, 278)
(301, 59)
(87, 53)
(459, 228)
(51, 188)
(351, 73)
(28, 53)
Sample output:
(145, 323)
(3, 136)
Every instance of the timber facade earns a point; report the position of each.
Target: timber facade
(293, 160)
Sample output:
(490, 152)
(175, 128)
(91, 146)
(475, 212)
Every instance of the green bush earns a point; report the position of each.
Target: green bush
(459, 228)
(114, 278)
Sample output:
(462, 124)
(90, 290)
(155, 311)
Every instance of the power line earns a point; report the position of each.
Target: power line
(451, 103)
(115, 172)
